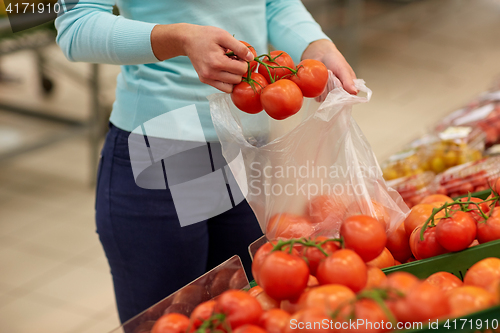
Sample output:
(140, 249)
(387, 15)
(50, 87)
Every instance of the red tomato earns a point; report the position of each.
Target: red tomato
(384, 260)
(469, 299)
(444, 281)
(253, 63)
(280, 59)
(281, 99)
(274, 320)
(314, 256)
(375, 210)
(312, 76)
(365, 235)
(309, 320)
(239, 308)
(399, 244)
(422, 302)
(484, 274)
(401, 281)
(171, 323)
(417, 217)
(267, 302)
(201, 313)
(343, 267)
(254, 291)
(288, 226)
(376, 278)
(496, 186)
(457, 232)
(366, 310)
(489, 230)
(283, 276)
(328, 297)
(249, 329)
(246, 98)
(427, 248)
(259, 258)
(325, 207)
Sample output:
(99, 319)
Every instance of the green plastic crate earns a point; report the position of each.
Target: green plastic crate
(456, 263)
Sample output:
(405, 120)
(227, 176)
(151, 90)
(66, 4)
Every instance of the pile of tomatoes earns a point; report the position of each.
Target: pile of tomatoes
(278, 86)
(323, 285)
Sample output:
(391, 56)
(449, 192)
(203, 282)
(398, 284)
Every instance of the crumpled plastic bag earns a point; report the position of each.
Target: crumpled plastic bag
(304, 175)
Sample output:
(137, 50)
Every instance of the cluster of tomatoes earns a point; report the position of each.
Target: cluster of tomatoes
(440, 225)
(321, 213)
(278, 86)
(323, 285)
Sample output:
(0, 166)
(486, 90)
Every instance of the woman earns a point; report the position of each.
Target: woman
(173, 55)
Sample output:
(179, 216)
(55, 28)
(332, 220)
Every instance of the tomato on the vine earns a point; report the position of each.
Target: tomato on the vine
(281, 99)
(429, 247)
(456, 232)
(280, 58)
(171, 323)
(474, 210)
(201, 313)
(312, 76)
(489, 230)
(444, 281)
(343, 267)
(246, 96)
(253, 63)
(283, 276)
(239, 308)
(364, 235)
(375, 277)
(314, 255)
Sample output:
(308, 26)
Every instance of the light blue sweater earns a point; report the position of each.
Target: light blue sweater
(147, 88)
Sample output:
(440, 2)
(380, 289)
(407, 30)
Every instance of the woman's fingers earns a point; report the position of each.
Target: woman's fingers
(222, 86)
(241, 50)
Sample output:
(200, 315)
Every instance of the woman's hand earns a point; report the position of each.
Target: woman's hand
(326, 52)
(206, 47)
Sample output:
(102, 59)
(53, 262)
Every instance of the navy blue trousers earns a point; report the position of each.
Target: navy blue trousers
(149, 253)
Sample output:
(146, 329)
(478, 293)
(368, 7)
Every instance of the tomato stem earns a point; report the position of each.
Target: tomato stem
(305, 242)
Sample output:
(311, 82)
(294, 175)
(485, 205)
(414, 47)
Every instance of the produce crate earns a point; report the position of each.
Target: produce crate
(456, 263)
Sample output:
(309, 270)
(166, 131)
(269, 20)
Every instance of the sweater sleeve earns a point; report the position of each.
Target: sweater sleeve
(291, 27)
(89, 32)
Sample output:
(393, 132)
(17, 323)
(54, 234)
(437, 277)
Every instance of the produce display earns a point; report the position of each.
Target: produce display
(353, 283)
(279, 86)
(414, 188)
(468, 178)
(436, 152)
(483, 113)
(353, 261)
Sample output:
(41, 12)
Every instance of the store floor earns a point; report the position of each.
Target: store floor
(421, 60)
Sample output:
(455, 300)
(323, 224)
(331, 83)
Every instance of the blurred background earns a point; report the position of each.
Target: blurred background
(422, 59)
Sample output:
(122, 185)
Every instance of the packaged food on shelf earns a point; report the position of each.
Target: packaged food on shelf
(400, 165)
(482, 113)
(414, 188)
(451, 147)
(436, 152)
(471, 177)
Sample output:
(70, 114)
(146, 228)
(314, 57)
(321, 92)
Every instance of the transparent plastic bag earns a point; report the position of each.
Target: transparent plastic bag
(304, 175)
